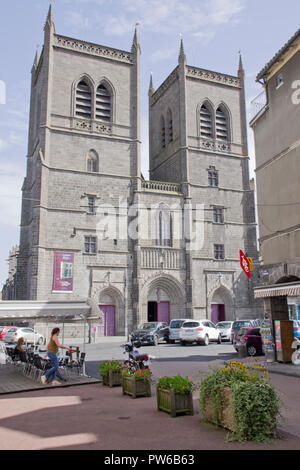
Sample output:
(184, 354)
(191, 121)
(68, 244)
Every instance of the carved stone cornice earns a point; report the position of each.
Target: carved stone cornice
(202, 74)
(93, 49)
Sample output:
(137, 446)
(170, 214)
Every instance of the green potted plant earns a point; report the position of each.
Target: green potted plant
(240, 398)
(175, 395)
(136, 383)
(111, 372)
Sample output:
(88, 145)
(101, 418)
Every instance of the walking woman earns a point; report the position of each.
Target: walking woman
(52, 350)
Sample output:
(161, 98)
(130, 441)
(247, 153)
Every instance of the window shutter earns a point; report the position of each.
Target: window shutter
(83, 105)
(221, 125)
(206, 123)
(103, 104)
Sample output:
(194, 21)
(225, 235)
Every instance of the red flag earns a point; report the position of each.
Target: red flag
(245, 265)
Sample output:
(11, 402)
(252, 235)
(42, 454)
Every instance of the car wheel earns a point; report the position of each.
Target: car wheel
(155, 341)
(206, 340)
(251, 350)
(183, 343)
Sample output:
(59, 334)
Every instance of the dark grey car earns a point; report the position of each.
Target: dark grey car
(151, 333)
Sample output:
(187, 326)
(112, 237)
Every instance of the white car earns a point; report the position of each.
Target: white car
(225, 329)
(14, 333)
(174, 328)
(199, 331)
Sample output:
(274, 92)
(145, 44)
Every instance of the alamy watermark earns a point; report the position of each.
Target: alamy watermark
(2, 92)
(296, 93)
(156, 223)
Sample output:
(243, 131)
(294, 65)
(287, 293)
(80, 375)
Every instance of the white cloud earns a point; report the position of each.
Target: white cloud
(187, 17)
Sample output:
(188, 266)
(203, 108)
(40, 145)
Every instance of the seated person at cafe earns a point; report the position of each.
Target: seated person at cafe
(19, 351)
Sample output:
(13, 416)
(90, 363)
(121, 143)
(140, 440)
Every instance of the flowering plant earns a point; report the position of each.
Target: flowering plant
(145, 374)
(106, 366)
(182, 385)
(255, 401)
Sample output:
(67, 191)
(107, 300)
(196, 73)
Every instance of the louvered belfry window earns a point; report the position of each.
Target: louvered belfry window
(83, 100)
(206, 122)
(221, 125)
(103, 103)
(170, 126)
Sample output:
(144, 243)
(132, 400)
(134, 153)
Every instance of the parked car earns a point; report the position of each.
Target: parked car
(199, 331)
(151, 333)
(3, 330)
(174, 328)
(14, 333)
(251, 339)
(238, 324)
(225, 329)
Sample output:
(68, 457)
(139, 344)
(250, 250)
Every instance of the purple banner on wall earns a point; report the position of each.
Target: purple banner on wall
(63, 272)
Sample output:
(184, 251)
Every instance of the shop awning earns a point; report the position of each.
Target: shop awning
(67, 311)
(276, 290)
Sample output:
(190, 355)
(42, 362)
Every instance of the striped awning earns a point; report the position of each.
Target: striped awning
(277, 290)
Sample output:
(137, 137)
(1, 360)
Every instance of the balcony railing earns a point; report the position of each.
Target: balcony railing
(161, 186)
(164, 258)
(257, 104)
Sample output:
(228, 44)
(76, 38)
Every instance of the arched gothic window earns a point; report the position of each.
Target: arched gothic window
(206, 122)
(92, 162)
(163, 225)
(83, 100)
(222, 131)
(103, 103)
(169, 126)
(162, 132)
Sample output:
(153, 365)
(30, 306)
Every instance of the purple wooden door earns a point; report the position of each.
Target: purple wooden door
(163, 312)
(217, 313)
(107, 327)
(214, 313)
(222, 312)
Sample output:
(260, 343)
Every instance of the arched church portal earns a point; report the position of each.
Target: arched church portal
(221, 306)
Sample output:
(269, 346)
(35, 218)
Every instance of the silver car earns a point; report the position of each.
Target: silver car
(174, 329)
(225, 329)
(30, 336)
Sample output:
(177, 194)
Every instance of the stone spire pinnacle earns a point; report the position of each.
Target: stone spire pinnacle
(241, 71)
(135, 43)
(49, 20)
(151, 87)
(182, 57)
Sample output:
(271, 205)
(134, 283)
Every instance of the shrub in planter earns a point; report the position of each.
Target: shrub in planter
(111, 372)
(136, 383)
(175, 395)
(241, 400)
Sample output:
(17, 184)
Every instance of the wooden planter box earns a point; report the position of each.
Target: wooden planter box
(174, 403)
(225, 416)
(136, 387)
(112, 379)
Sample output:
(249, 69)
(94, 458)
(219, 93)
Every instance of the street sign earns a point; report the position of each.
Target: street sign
(245, 264)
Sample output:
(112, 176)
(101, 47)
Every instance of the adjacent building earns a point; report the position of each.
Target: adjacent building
(277, 147)
(93, 228)
(9, 288)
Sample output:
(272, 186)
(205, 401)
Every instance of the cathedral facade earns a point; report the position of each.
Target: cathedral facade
(93, 228)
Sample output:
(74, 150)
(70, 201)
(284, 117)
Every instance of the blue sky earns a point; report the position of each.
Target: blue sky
(213, 32)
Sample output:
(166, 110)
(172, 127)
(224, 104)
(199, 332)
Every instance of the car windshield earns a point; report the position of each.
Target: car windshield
(240, 324)
(147, 326)
(11, 330)
(176, 323)
(223, 325)
(191, 324)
